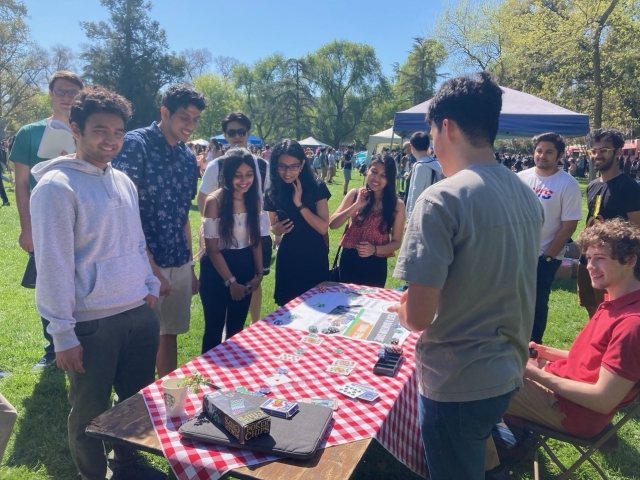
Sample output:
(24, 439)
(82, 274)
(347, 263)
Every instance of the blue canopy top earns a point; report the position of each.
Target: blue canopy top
(254, 141)
(522, 115)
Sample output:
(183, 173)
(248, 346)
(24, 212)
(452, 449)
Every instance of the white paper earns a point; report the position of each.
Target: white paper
(56, 140)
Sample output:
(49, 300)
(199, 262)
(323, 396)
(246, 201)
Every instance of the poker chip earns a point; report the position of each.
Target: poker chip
(300, 351)
(313, 329)
(382, 353)
(394, 341)
(398, 330)
(283, 371)
(396, 325)
(338, 350)
(265, 390)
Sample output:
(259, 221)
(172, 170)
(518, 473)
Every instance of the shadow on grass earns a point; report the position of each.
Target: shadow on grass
(565, 285)
(41, 438)
(378, 464)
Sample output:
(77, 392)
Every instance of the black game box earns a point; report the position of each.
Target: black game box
(236, 415)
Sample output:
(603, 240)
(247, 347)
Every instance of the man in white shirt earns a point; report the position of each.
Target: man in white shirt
(426, 171)
(560, 197)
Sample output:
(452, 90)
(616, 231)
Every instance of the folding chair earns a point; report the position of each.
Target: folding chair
(606, 441)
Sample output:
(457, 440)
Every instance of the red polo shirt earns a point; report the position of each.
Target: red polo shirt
(611, 339)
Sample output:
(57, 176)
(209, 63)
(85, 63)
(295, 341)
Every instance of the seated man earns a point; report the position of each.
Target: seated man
(580, 390)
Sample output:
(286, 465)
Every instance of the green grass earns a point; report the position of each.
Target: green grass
(38, 447)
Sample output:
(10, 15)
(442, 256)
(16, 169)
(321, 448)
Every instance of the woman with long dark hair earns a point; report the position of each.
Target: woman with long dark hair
(232, 267)
(298, 210)
(377, 221)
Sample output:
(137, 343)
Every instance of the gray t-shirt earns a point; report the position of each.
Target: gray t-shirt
(475, 236)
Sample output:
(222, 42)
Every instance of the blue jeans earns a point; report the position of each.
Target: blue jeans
(455, 435)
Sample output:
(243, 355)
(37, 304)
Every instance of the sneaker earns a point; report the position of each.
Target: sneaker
(6, 204)
(4, 374)
(43, 363)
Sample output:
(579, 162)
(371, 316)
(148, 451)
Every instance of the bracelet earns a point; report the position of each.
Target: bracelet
(301, 207)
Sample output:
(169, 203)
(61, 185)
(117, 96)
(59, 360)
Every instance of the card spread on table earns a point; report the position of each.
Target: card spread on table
(342, 367)
(312, 340)
(276, 380)
(288, 357)
(350, 391)
(370, 394)
(332, 403)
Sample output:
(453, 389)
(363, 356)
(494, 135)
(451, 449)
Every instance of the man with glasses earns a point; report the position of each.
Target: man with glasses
(63, 87)
(166, 174)
(236, 128)
(610, 196)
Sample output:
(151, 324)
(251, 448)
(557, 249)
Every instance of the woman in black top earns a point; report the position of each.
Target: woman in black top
(298, 210)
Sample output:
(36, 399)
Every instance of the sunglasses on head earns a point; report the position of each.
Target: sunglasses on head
(240, 132)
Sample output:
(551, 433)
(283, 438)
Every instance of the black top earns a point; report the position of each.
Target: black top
(347, 161)
(616, 198)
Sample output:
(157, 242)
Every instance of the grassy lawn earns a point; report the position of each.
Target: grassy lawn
(38, 447)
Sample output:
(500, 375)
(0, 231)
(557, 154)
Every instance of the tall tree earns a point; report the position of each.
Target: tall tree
(60, 57)
(196, 61)
(223, 65)
(417, 77)
(222, 98)
(130, 55)
(20, 66)
(348, 79)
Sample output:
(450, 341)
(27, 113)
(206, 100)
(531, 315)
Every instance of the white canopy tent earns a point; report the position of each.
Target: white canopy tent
(386, 137)
(312, 142)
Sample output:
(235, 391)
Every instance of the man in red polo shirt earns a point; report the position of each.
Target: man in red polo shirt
(580, 390)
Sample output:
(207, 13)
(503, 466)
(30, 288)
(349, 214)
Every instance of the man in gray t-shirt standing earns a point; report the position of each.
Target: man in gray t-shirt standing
(468, 253)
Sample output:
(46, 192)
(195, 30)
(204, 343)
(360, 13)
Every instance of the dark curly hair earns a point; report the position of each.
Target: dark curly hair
(552, 137)
(281, 193)
(606, 135)
(231, 162)
(621, 235)
(182, 95)
(389, 196)
(474, 104)
(97, 99)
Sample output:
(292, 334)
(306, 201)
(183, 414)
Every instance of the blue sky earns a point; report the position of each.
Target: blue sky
(253, 29)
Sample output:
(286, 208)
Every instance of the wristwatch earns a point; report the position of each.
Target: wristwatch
(301, 207)
(227, 283)
(547, 258)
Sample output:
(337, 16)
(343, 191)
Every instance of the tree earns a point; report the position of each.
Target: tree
(222, 99)
(60, 57)
(224, 65)
(196, 61)
(348, 80)
(20, 67)
(130, 55)
(417, 77)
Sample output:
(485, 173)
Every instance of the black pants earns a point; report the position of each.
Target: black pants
(370, 271)
(218, 306)
(3, 193)
(546, 273)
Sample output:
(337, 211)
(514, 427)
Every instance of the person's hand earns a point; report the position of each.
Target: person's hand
(400, 308)
(276, 241)
(253, 285)
(532, 370)
(165, 286)
(280, 228)
(362, 198)
(297, 192)
(70, 359)
(195, 283)
(237, 291)
(26, 240)
(151, 300)
(365, 249)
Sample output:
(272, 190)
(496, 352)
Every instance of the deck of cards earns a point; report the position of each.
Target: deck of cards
(359, 391)
(279, 408)
(332, 403)
(342, 367)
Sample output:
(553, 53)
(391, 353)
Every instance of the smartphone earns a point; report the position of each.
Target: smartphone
(282, 215)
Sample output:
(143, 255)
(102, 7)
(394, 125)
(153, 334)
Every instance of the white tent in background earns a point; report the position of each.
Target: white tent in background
(381, 137)
(201, 141)
(312, 142)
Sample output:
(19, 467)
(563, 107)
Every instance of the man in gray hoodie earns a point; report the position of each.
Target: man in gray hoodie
(95, 283)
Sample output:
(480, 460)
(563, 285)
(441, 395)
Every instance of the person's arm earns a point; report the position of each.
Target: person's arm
(152, 282)
(549, 353)
(258, 268)
(208, 185)
(417, 186)
(634, 217)
(211, 210)
(22, 173)
(563, 235)
(195, 283)
(417, 307)
(398, 230)
(319, 221)
(353, 201)
(603, 396)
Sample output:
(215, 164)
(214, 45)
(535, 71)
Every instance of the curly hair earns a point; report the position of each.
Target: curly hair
(97, 99)
(551, 137)
(621, 235)
(389, 197)
(606, 135)
(232, 161)
(182, 95)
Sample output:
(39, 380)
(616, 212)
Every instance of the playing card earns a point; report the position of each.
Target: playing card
(339, 370)
(350, 391)
(288, 357)
(312, 340)
(368, 388)
(344, 363)
(369, 395)
(325, 402)
(276, 380)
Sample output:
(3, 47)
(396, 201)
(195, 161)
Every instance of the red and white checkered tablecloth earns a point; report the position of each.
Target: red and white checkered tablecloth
(250, 356)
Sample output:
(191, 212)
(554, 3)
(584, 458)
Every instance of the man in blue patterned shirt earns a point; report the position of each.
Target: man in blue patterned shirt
(165, 172)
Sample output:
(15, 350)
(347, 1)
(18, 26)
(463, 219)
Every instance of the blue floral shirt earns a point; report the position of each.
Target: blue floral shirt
(167, 179)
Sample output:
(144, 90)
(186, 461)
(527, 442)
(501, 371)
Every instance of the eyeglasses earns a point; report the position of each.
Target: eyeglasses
(603, 151)
(282, 168)
(61, 92)
(241, 132)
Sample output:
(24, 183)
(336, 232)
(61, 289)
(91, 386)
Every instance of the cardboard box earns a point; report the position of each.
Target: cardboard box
(233, 413)
(572, 250)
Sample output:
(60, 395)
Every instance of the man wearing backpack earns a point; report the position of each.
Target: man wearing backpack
(426, 171)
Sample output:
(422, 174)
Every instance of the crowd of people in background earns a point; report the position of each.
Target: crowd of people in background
(109, 228)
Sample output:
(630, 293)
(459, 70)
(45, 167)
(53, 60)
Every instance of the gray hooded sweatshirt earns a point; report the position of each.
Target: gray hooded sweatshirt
(90, 248)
